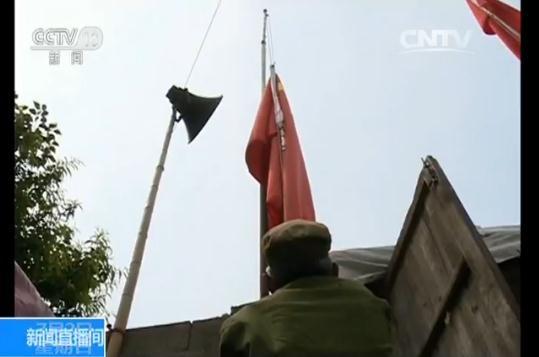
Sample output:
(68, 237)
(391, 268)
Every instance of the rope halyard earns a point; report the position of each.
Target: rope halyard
(202, 43)
(279, 117)
(271, 50)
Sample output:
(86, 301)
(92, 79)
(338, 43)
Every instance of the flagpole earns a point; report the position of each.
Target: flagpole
(117, 334)
(263, 210)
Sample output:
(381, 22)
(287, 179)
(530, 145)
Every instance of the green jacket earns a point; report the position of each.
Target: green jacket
(311, 317)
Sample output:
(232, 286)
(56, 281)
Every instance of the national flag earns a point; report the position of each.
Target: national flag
(498, 18)
(275, 160)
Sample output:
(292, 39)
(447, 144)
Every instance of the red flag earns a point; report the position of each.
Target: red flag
(498, 18)
(275, 160)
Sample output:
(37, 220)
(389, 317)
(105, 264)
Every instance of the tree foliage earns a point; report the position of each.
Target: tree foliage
(76, 278)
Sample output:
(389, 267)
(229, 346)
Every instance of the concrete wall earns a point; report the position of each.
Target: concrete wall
(185, 339)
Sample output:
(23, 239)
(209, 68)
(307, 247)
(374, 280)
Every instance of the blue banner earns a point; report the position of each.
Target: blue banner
(22, 337)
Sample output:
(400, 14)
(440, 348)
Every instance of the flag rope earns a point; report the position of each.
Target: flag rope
(271, 51)
(202, 43)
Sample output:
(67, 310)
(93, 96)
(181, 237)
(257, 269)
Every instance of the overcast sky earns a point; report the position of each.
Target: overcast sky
(366, 114)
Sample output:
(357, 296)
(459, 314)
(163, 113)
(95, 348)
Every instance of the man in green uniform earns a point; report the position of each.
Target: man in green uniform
(311, 312)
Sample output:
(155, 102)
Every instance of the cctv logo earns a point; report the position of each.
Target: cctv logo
(88, 38)
(54, 40)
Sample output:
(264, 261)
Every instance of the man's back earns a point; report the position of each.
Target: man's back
(314, 316)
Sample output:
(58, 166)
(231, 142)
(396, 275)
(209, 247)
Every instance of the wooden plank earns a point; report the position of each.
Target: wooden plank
(455, 287)
(493, 308)
(467, 328)
(436, 239)
(403, 300)
(497, 314)
(503, 297)
(407, 277)
(474, 249)
(450, 252)
(421, 284)
(412, 217)
(414, 282)
(436, 264)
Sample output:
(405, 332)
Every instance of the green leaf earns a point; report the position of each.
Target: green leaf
(36, 104)
(75, 279)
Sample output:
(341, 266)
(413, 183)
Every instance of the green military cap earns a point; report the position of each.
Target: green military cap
(296, 245)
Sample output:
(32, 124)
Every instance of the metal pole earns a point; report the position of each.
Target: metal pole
(115, 342)
(263, 212)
